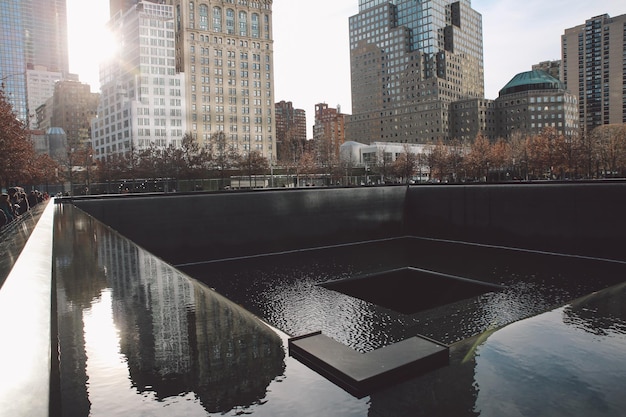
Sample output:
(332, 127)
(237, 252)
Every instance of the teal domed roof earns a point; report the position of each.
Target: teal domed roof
(532, 80)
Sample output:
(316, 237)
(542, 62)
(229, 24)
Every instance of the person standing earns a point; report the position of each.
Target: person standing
(7, 208)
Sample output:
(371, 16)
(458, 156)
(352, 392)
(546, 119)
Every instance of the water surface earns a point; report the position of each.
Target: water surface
(139, 337)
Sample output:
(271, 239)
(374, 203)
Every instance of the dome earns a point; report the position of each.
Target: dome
(532, 80)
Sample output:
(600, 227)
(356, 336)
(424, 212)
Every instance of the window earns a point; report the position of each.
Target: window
(203, 11)
(255, 25)
(217, 19)
(230, 21)
(243, 23)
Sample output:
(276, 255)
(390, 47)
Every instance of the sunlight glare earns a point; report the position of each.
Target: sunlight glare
(107, 45)
(89, 41)
(101, 334)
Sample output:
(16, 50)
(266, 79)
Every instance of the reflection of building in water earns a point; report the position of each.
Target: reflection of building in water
(180, 336)
(169, 294)
(237, 356)
(79, 281)
(150, 307)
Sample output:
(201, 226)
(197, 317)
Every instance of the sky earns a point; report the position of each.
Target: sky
(311, 43)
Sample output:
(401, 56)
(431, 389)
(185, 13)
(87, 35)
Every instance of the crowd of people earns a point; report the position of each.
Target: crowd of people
(15, 202)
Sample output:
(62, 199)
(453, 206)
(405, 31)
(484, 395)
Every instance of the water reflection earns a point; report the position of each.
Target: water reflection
(135, 334)
(139, 338)
(569, 361)
(284, 289)
(558, 363)
(601, 314)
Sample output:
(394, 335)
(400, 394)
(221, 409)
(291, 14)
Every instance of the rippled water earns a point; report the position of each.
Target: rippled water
(138, 337)
(284, 289)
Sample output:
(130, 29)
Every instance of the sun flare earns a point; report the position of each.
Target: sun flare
(89, 40)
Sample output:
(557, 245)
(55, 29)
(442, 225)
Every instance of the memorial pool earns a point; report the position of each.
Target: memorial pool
(140, 337)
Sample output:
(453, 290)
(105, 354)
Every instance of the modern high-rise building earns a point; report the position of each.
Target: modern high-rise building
(594, 69)
(409, 61)
(40, 87)
(116, 6)
(33, 34)
(225, 50)
(142, 102)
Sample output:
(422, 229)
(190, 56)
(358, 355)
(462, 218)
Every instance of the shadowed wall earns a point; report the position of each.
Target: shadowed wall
(579, 218)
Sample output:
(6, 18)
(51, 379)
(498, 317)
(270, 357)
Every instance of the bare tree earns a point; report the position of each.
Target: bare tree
(611, 141)
(478, 160)
(254, 164)
(224, 155)
(405, 165)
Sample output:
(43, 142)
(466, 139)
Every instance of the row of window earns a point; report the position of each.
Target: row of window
(240, 25)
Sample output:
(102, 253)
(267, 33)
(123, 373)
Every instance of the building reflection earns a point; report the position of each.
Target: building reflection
(80, 281)
(176, 335)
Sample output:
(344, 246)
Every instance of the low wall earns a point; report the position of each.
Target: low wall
(26, 325)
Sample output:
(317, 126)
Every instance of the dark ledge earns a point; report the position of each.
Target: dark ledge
(360, 374)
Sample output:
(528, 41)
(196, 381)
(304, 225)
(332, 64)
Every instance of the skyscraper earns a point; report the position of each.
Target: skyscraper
(409, 61)
(142, 97)
(33, 34)
(594, 69)
(225, 50)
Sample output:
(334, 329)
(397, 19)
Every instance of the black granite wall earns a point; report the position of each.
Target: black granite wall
(198, 227)
(581, 218)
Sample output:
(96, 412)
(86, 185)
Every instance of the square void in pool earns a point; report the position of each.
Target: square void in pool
(411, 290)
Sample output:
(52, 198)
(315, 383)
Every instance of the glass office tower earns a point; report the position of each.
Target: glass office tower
(33, 34)
(410, 59)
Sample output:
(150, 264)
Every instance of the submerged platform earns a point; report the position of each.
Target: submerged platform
(361, 374)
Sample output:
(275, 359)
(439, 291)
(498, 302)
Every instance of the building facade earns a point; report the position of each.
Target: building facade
(532, 101)
(40, 87)
(33, 37)
(409, 61)
(594, 69)
(142, 102)
(473, 117)
(73, 108)
(290, 130)
(224, 48)
(551, 67)
(328, 132)
(116, 6)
